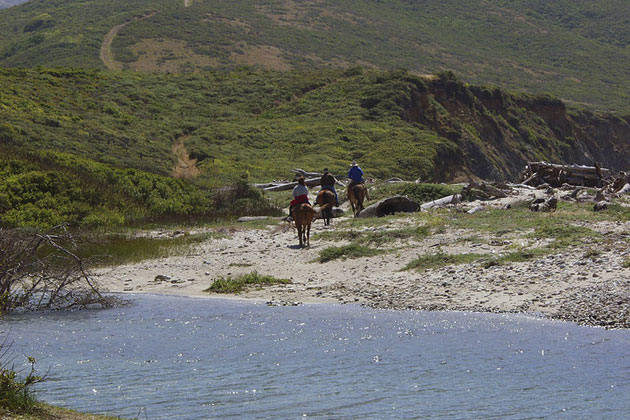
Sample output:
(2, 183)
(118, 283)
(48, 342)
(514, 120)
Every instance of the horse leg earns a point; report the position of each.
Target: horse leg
(299, 229)
(308, 235)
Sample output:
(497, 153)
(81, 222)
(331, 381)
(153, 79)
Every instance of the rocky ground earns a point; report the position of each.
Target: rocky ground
(574, 284)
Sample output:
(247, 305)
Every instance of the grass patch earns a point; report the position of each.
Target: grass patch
(379, 237)
(592, 254)
(517, 256)
(520, 219)
(426, 262)
(118, 249)
(43, 411)
(240, 283)
(564, 235)
(347, 251)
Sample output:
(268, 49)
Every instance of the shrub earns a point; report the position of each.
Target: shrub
(426, 262)
(347, 251)
(423, 193)
(240, 283)
(43, 271)
(16, 395)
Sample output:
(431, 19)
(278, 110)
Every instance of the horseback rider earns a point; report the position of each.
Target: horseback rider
(300, 195)
(356, 178)
(355, 174)
(327, 182)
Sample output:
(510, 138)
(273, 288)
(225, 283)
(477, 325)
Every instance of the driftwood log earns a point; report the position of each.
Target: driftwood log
(485, 191)
(305, 174)
(311, 180)
(289, 185)
(538, 173)
(442, 202)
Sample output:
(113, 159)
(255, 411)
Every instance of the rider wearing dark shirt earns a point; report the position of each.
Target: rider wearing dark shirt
(327, 182)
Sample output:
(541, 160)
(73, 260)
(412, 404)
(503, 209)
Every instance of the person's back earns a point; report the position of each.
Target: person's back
(355, 174)
(300, 194)
(327, 182)
(300, 190)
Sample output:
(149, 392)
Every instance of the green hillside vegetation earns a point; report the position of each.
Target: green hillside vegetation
(574, 49)
(254, 124)
(96, 147)
(44, 189)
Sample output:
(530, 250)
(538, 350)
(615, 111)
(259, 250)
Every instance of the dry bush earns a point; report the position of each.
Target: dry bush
(42, 271)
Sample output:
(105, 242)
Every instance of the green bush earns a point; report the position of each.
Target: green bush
(423, 193)
(429, 261)
(16, 394)
(239, 283)
(347, 251)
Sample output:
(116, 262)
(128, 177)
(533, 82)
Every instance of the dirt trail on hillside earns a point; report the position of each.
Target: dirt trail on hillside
(563, 285)
(106, 54)
(185, 167)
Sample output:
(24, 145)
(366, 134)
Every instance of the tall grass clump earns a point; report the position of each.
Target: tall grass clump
(116, 249)
(240, 283)
(429, 261)
(16, 394)
(347, 251)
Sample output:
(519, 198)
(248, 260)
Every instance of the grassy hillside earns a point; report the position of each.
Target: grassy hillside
(97, 148)
(257, 124)
(574, 49)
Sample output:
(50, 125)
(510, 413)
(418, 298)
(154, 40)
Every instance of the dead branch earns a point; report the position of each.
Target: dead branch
(43, 270)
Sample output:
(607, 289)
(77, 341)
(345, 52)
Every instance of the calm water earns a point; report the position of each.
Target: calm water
(183, 358)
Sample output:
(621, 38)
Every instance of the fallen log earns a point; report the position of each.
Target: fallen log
(442, 202)
(476, 209)
(306, 174)
(289, 186)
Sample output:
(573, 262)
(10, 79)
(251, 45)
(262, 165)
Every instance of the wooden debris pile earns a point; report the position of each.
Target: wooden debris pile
(311, 179)
(484, 191)
(539, 173)
(618, 184)
(544, 204)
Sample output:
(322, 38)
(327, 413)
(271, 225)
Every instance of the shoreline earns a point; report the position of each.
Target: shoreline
(565, 285)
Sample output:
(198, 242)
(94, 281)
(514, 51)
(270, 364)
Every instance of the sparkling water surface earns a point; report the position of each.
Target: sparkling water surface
(186, 358)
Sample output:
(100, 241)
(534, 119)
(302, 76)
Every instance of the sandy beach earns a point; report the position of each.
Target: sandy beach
(568, 285)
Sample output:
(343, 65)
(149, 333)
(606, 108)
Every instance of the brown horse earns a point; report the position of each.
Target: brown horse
(303, 215)
(326, 201)
(356, 194)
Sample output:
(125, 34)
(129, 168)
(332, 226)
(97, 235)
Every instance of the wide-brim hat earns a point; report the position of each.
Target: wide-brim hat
(354, 163)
